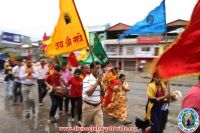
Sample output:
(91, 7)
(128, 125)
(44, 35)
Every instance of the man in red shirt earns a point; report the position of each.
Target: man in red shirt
(54, 80)
(76, 83)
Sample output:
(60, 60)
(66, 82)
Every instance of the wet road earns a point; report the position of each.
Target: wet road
(13, 117)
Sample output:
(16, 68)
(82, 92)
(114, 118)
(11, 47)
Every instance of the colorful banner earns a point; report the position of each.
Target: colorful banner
(68, 34)
(153, 23)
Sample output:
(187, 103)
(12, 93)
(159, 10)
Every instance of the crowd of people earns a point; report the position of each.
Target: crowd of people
(90, 89)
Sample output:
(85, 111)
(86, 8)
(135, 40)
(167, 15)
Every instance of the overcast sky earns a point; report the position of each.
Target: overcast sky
(34, 17)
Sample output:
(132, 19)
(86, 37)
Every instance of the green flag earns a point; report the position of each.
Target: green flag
(99, 52)
(59, 60)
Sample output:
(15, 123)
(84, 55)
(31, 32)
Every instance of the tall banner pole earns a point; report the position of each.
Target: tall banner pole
(90, 49)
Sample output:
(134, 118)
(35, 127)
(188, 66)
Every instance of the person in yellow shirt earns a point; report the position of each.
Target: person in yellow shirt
(157, 94)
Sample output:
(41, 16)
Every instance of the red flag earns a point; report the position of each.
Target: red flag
(44, 37)
(72, 59)
(43, 46)
(184, 55)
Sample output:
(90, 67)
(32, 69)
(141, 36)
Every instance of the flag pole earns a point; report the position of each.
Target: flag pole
(166, 39)
(166, 42)
(90, 49)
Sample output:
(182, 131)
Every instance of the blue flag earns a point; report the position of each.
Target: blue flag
(153, 23)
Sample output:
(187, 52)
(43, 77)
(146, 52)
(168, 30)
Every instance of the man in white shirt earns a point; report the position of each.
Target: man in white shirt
(17, 81)
(28, 75)
(91, 108)
(42, 71)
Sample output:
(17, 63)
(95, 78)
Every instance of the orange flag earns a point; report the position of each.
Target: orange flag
(183, 57)
(68, 34)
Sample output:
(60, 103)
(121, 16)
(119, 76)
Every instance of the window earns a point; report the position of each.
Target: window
(146, 49)
(130, 51)
(112, 49)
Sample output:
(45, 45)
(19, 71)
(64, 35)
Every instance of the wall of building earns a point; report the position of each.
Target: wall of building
(130, 50)
(145, 50)
(129, 57)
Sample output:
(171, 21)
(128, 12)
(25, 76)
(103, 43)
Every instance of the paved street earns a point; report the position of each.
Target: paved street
(13, 120)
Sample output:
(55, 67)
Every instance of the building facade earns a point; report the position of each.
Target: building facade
(136, 52)
(100, 30)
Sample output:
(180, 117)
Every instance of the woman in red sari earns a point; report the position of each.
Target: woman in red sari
(117, 108)
(108, 85)
(109, 93)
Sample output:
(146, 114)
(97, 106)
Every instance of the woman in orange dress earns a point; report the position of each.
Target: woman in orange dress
(117, 108)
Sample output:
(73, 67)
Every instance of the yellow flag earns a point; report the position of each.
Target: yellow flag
(47, 42)
(68, 34)
(84, 52)
(83, 55)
